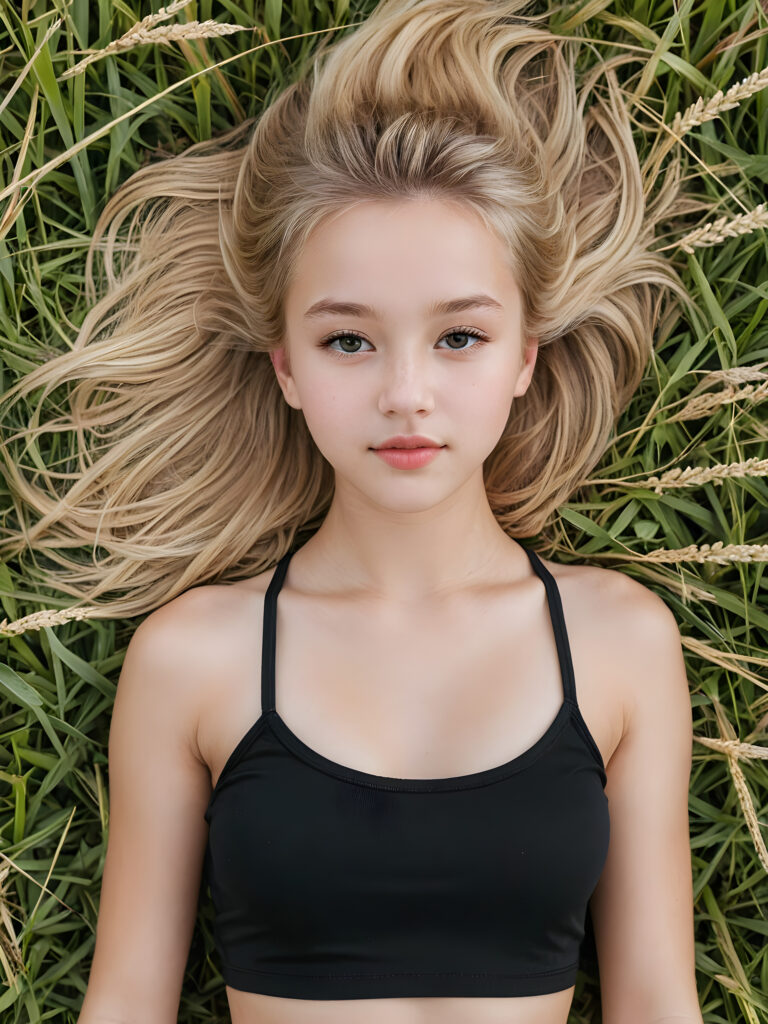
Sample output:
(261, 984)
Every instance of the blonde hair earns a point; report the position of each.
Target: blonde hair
(204, 472)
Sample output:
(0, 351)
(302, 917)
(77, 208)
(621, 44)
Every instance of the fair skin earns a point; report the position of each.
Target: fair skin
(404, 559)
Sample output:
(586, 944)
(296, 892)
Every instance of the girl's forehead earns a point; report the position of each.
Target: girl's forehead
(425, 252)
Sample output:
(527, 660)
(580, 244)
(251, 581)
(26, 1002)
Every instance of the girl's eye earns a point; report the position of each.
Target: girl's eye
(347, 336)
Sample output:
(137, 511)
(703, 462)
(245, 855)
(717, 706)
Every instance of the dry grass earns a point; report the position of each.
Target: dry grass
(162, 36)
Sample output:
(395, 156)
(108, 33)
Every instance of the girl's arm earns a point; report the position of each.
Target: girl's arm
(642, 908)
(158, 791)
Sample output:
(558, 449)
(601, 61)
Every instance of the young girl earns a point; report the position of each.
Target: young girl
(355, 362)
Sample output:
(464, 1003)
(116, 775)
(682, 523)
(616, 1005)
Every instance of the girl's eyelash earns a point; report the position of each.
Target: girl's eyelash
(482, 340)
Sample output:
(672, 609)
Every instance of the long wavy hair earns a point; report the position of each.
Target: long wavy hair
(191, 467)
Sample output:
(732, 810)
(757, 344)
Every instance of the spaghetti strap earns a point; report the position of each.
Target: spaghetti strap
(558, 625)
(268, 636)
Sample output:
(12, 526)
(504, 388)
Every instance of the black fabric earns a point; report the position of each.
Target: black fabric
(332, 883)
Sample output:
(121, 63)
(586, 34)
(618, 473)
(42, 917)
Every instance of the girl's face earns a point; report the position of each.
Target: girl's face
(372, 354)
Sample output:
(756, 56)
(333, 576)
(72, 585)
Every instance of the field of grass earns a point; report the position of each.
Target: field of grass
(679, 500)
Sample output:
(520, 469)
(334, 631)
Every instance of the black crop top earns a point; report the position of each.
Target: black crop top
(332, 883)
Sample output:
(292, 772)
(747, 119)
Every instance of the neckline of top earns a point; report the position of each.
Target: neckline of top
(471, 780)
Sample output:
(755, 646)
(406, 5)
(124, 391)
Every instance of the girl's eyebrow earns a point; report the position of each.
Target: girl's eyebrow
(326, 307)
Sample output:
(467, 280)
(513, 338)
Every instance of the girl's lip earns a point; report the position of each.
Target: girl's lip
(409, 441)
(408, 458)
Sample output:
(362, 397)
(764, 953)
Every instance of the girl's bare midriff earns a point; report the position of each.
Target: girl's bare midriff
(251, 1008)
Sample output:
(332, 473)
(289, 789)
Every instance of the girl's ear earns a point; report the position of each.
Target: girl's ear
(529, 361)
(282, 367)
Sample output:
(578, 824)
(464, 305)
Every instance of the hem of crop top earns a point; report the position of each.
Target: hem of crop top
(398, 983)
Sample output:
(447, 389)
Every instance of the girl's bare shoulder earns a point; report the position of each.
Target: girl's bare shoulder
(610, 592)
(618, 630)
(203, 613)
(206, 635)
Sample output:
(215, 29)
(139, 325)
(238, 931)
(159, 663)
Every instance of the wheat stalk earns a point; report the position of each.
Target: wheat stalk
(734, 375)
(722, 554)
(694, 476)
(45, 617)
(699, 112)
(165, 34)
(722, 228)
(696, 114)
(163, 14)
(704, 405)
(734, 749)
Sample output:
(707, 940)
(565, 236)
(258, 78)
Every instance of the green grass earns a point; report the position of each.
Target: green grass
(67, 144)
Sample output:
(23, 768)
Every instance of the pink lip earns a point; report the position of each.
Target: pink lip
(407, 458)
(411, 441)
